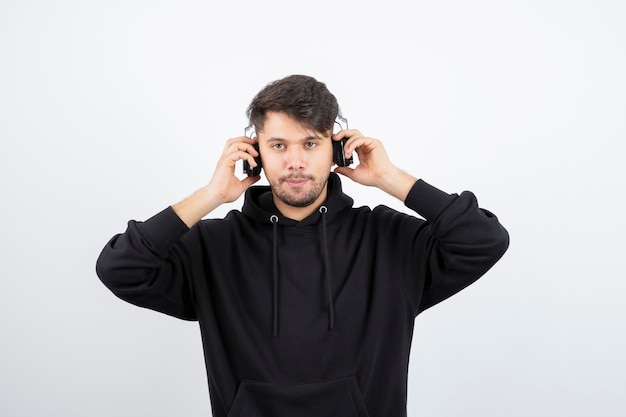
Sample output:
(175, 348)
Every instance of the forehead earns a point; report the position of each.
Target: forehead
(281, 126)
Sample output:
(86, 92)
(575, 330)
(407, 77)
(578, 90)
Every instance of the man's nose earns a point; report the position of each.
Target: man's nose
(295, 157)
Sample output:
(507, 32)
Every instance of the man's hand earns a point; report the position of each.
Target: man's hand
(224, 187)
(375, 168)
(225, 184)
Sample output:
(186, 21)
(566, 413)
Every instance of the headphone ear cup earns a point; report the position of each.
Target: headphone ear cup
(250, 170)
(339, 156)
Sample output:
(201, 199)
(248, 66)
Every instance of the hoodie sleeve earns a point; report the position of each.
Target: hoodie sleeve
(145, 267)
(458, 243)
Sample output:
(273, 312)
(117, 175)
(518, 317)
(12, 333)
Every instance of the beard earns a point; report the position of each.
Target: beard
(298, 197)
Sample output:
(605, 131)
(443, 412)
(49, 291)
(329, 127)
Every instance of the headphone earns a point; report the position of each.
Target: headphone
(339, 156)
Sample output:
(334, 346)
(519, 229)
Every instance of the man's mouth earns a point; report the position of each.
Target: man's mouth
(296, 181)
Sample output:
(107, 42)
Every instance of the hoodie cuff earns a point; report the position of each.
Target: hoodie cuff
(426, 200)
(164, 229)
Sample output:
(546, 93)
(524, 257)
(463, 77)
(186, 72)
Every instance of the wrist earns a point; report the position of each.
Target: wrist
(192, 209)
(398, 183)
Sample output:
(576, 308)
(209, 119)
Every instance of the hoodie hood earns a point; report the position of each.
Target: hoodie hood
(259, 205)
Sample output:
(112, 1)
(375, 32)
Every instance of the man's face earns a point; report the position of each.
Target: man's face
(296, 161)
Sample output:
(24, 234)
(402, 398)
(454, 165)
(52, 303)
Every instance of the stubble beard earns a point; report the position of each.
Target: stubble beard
(298, 198)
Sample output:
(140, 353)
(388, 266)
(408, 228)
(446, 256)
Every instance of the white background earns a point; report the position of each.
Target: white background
(112, 110)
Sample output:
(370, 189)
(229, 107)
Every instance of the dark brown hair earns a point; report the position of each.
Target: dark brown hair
(301, 97)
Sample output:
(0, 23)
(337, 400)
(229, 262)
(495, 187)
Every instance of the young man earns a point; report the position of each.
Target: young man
(305, 304)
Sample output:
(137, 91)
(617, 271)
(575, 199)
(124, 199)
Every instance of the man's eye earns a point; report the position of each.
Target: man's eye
(311, 144)
(278, 146)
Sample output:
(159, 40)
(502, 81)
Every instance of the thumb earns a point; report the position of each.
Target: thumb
(249, 181)
(345, 171)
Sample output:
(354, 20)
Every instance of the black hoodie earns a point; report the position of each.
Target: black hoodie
(310, 318)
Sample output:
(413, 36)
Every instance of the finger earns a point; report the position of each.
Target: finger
(243, 155)
(230, 159)
(241, 140)
(346, 134)
(353, 144)
(242, 147)
(360, 143)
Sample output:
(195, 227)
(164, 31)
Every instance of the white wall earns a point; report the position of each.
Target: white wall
(111, 110)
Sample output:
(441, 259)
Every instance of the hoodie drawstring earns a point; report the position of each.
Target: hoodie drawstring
(274, 220)
(327, 273)
(331, 307)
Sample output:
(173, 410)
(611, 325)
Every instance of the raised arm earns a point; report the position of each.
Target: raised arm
(147, 264)
(456, 245)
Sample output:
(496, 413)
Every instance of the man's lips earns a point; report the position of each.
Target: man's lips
(296, 181)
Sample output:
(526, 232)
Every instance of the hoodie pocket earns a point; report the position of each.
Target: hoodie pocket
(331, 398)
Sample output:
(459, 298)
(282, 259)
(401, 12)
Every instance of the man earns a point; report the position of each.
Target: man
(305, 304)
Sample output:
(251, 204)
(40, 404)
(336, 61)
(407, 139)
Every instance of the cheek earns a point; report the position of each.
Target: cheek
(271, 166)
(329, 161)
(321, 161)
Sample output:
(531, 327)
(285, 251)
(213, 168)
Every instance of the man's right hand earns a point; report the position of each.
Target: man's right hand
(225, 184)
(224, 187)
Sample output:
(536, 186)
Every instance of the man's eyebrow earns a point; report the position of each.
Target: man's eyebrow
(304, 139)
